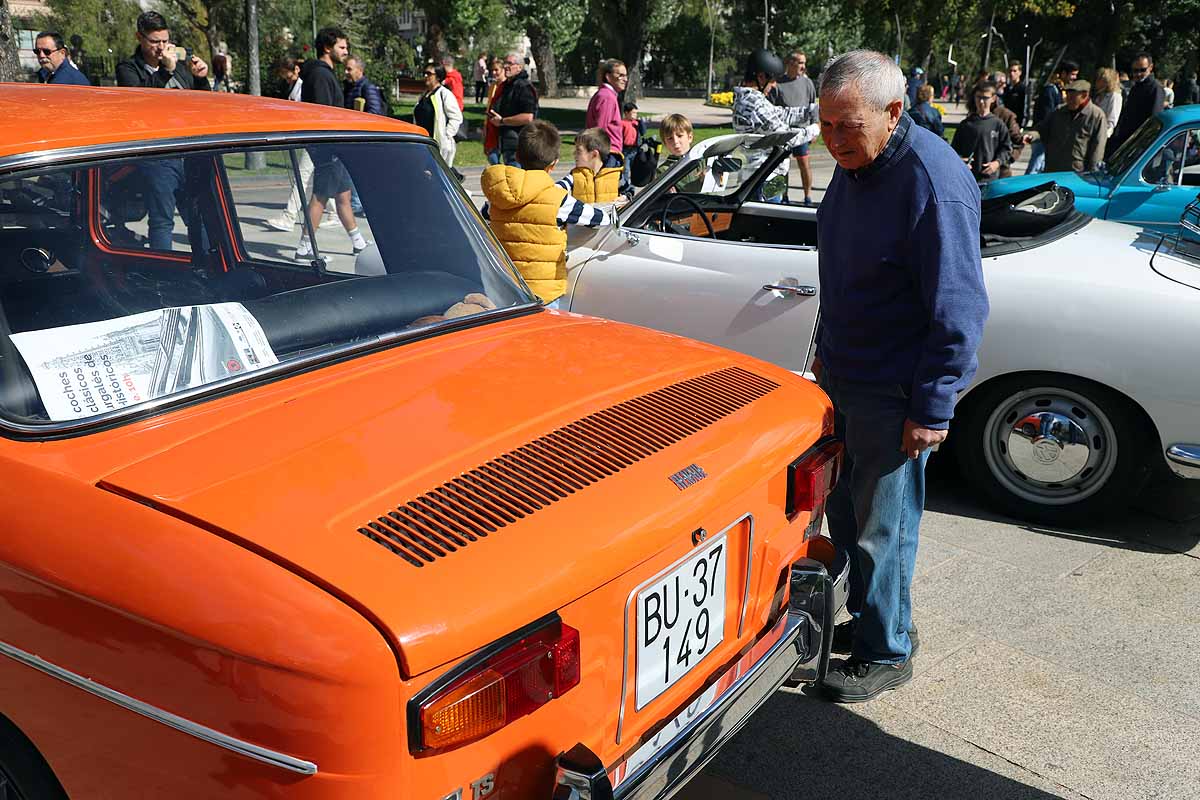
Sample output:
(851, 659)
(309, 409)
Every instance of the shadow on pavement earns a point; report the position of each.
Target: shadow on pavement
(797, 746)
(1165, 517)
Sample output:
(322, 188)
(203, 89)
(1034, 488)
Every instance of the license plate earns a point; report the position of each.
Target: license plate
(680, 620)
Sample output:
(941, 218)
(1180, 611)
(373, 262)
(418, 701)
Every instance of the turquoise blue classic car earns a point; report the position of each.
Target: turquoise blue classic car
(1147, 182)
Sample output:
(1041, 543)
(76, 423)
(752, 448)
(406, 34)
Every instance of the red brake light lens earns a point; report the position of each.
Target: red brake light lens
(810, 480)
(505, 687)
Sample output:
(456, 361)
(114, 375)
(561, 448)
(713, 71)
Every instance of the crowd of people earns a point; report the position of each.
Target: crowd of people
(1070, 124)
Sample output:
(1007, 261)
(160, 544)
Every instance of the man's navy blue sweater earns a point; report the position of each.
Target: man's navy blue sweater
(902, 294)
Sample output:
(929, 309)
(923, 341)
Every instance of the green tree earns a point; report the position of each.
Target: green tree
(105, 27)
(553, 28)
(10, 63)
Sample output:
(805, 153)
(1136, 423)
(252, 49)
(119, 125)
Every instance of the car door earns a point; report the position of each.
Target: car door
(1156, 191)
(759, 299)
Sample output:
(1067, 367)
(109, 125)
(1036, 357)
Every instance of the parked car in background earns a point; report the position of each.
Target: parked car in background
(1084, 384)
(1148, 181)
(363, 525)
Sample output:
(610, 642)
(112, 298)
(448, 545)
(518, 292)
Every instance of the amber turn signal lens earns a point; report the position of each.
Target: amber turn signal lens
(516, 681)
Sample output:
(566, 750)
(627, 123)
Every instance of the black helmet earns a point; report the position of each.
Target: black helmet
(762, 60)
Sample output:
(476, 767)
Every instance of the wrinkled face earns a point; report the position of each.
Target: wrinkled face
(340, 51)
(677, 142)
(49, 55)
(853, 130)
(354, 71)
(154, 44)
(1076, 100)
(512, 67)
(1141, 68)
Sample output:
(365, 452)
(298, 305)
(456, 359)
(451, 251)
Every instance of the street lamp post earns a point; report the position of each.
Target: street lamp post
(314, 19)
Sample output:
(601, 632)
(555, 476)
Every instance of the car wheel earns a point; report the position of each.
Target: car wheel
(1052, 448)
(24, 774)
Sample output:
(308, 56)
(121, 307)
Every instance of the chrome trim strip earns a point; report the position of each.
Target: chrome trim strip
(195, 729)
(41, 158)
(633, 595)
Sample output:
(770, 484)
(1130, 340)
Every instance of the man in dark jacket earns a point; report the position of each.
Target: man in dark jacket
(1146, 98)
(1074, 135)
(1048, 99)
(982, 140)
(515, 108)
(158, 64)
(56, 68)
(330, 177)
(359, 86)
(1013, 95)
(903, 306)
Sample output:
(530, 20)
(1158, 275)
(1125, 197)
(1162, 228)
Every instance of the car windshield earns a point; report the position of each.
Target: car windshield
(127, 281)
(1132, 149)
(720, 168)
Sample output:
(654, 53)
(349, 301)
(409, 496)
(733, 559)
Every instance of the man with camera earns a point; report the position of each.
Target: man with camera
(158, 63)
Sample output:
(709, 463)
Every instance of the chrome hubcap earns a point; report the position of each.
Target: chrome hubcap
(1050, 446)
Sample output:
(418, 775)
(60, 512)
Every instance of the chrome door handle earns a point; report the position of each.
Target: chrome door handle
(798, 291)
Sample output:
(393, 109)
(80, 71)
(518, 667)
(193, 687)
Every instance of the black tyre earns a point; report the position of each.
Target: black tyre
(24, 774)
(1052, 448)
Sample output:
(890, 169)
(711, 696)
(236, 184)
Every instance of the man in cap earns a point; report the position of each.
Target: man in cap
(1075, 134)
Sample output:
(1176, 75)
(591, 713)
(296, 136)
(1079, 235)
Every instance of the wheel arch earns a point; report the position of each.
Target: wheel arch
(18, 748)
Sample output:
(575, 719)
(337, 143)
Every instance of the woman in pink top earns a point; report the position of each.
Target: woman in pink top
(604, 109)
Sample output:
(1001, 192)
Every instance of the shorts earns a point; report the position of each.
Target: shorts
(331, 179)
(800, 150)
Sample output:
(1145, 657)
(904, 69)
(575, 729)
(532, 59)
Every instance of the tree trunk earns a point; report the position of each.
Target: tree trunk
(256, 159)
(10, 62)
(543, 54)
(632, 47)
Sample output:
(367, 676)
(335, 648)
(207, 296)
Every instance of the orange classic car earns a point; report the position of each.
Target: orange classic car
(303, 510)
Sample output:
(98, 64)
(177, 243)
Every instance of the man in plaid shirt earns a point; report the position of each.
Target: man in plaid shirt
(753, 112)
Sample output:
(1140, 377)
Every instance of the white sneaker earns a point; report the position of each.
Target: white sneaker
(329, 221)
(360, 246)
(280, 223)
(304, 249)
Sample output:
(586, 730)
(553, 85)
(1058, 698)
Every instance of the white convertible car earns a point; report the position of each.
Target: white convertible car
(1089, 374)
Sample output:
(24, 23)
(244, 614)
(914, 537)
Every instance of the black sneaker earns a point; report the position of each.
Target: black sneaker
(854, 681)
(843, 638)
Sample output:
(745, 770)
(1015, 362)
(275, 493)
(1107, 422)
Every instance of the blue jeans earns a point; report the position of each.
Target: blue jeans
(164, 178)
(493, 157)
(1037, 159)
(874, 514)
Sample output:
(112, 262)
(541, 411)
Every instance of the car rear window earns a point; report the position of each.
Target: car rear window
(140, 280)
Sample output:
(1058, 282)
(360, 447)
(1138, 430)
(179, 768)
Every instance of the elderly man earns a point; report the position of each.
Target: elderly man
(515, 108)
(1075, 134)
(54, 65)
(902, 311)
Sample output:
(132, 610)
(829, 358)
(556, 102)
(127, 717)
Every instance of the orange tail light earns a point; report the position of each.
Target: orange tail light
(502, 688)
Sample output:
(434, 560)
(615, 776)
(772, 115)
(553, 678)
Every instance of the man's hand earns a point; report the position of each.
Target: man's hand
(991, 167)
(199, 68)
(167, 60)
(917, 438)
(494, 118)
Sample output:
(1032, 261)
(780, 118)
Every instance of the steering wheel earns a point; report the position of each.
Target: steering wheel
(688, 200)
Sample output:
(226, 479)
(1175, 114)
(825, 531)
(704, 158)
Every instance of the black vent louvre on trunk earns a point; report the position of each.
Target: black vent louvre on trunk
(520, 482)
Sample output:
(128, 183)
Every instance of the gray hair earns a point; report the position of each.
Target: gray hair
(356, 60)
(867, 73)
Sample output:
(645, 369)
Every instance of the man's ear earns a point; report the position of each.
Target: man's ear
(894, 109)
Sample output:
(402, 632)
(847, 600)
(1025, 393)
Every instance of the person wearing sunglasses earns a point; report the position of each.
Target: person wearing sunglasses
(55, 66)
(1146, 98)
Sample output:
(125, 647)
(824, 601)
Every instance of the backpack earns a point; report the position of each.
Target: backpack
(644, 162)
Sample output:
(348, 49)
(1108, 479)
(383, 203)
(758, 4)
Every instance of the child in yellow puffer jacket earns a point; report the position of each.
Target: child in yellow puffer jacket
(591, 181)
(529, 211)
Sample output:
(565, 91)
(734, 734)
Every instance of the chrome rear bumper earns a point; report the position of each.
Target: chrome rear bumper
(799, 653)
(1184, 460)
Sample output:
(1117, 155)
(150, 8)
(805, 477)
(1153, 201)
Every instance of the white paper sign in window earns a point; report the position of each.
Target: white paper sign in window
(89, 369)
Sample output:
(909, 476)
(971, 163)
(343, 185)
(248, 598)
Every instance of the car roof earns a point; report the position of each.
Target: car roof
(78, 116)
(1180, 115)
